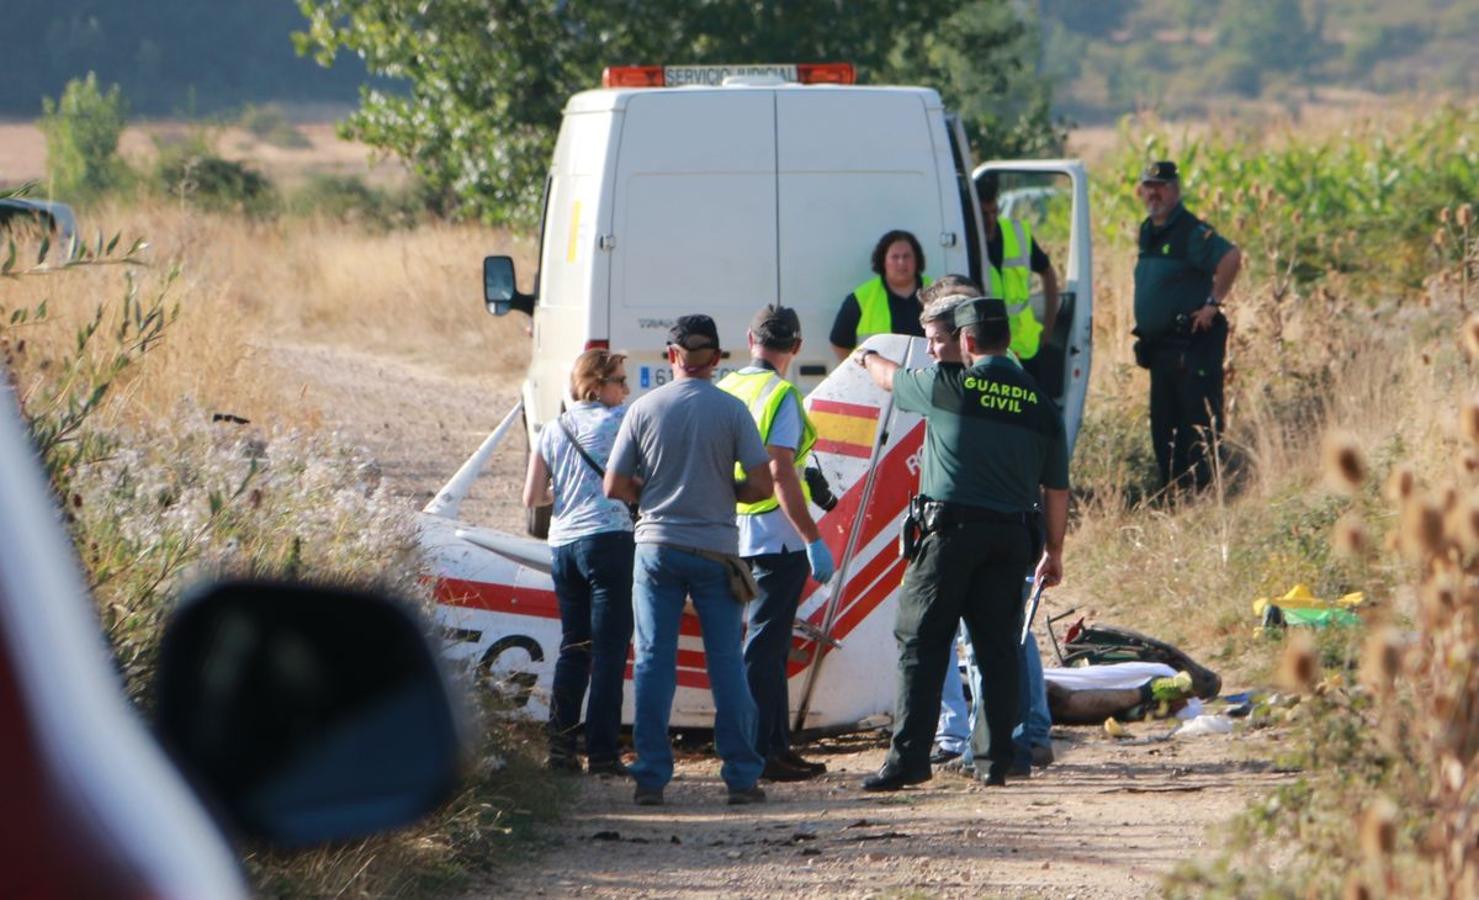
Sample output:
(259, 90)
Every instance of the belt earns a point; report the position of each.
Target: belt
(940, 514)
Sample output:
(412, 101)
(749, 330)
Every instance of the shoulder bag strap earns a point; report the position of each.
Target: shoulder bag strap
(589, 460)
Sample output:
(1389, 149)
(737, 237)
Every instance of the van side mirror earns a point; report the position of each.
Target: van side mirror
(306, 714)
(500, 288)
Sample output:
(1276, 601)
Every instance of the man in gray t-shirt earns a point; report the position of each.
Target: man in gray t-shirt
(685, 440)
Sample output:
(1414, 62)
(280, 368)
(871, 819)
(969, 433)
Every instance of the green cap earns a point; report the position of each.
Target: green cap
(980, 309)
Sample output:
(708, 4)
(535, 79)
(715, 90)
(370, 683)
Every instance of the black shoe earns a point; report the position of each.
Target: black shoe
(647, 796)
(891, 779)
(1042, 755)
(1022, 768)
(939, 756)
(797, 761)
(996, 776)
(742, 796)
(777, 769)
(559, 761)
(612, 766)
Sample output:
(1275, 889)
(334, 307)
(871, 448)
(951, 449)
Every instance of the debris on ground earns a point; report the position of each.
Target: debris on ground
(1301, 608)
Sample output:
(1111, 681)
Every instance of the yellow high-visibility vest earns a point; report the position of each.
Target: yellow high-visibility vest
(762, 393)
(872, 299)
(1013, 284)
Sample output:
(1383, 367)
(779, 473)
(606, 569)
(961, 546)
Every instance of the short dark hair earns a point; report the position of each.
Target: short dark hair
(948, 286)
(940, 297)
(992, 336)
(989, 187)
(880, 250)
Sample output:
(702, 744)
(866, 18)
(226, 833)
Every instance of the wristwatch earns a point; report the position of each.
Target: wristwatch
(1212, 301)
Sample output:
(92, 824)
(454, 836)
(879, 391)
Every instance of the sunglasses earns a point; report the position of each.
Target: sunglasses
(620, 380)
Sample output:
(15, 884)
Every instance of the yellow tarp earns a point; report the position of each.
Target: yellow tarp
(1301, 597)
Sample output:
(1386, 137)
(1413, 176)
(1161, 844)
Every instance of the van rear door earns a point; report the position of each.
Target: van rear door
(852, 165)
(1052, 196)
(694, 220)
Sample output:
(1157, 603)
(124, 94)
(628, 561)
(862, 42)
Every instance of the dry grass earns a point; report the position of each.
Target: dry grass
(244, 285)
(159, 497)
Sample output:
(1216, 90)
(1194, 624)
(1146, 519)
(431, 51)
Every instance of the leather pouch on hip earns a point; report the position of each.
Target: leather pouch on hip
(911, 532)
(1144, 350)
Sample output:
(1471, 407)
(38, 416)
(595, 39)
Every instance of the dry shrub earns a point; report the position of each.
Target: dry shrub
(160, 494)
(1399, 752)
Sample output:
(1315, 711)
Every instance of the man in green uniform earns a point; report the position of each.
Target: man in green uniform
(1184, 272)
(992, 438)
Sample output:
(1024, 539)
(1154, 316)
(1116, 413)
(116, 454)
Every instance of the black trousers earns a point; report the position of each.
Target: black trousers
(767, 648)
(972, 572)
(1186, 404)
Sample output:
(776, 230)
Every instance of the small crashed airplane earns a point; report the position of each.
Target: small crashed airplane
(497, 605)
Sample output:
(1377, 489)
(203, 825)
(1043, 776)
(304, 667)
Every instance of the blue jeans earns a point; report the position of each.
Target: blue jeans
(593, 582)
(664, 576)
(953, 733)
(780, 576)
(1036, 723)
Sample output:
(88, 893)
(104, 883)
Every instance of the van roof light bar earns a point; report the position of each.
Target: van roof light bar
(674, 76)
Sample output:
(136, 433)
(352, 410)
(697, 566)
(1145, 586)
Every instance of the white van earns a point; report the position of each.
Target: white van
(720, 198)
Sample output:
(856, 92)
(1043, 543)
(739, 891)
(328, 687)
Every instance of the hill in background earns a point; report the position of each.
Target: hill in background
(171, 57)
(1193, 58)
(1105, 57)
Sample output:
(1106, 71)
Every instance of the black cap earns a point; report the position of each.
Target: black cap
(980, 309)
(775, 326)
(695, 332)
(1160, 172)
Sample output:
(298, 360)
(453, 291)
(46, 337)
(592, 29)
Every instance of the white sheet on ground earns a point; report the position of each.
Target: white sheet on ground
(1115, 676)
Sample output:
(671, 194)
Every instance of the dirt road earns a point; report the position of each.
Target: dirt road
(1109, 819)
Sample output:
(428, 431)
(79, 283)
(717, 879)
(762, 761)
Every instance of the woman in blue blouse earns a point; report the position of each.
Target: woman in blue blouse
(591, 547)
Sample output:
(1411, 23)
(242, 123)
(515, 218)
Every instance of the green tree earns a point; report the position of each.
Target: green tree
(983, 60)
(486, 79)
(82, 132)
(1269, 37)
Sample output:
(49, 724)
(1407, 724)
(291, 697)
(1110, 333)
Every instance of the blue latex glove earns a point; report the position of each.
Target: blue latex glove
(820, 560)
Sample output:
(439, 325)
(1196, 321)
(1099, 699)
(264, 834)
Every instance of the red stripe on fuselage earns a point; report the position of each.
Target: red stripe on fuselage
(844, 409)
(864, 592)
(857, 451)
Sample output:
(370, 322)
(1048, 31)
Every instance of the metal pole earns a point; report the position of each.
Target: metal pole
(450, 497)
(839, 579)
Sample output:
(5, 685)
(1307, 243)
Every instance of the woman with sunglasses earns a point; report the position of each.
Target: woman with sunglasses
(591, 546)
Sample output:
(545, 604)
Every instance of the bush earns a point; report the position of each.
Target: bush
(269, 124)
(151, 507)
(82, 131)
(346, 198)
(194, 173)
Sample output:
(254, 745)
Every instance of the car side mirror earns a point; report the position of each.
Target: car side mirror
(307, 714)
(500, 288)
